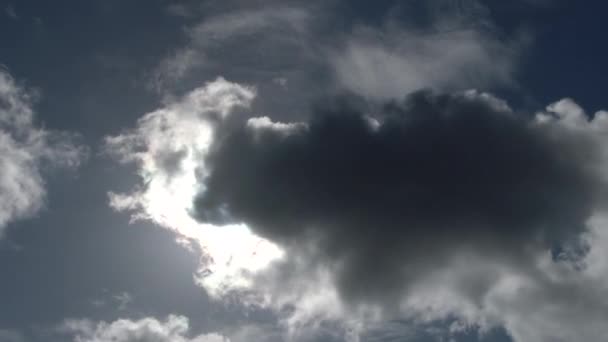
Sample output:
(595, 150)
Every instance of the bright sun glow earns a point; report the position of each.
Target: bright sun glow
(232, 253)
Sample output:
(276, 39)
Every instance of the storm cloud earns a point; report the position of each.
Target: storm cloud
(388, 198)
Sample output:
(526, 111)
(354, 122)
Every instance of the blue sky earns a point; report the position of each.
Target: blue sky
(264, 170)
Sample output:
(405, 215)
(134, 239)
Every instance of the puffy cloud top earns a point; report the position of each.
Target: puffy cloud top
(173, 329)
(440, 173)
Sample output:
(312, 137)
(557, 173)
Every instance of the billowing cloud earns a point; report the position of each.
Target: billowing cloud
(453, 167)
(25, 150)
(436, 207)
(173, 329)
(439, 206)
(445, 206)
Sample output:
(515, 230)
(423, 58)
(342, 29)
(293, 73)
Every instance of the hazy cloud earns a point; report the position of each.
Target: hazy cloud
(272, 39)
(10, 11)
(385, 64)
(26, 150)
(11, 336)
(442, 44)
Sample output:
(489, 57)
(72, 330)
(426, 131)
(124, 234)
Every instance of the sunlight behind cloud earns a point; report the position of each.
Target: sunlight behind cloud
(168, 146)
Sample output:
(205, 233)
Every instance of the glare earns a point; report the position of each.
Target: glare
(231, 254)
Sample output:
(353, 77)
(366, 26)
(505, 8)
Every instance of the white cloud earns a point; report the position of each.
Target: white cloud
(264, 122)
(548, 302)
(393, 62)
(168, 147)
(25, 150)
(173, 329)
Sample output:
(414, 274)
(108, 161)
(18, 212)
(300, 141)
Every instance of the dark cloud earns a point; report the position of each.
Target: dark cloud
(386, 201)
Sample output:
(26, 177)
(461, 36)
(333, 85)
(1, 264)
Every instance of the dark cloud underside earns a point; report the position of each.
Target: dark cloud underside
(440, 173)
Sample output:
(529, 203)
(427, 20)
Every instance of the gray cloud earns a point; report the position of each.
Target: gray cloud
(385, 203)
(439, 206)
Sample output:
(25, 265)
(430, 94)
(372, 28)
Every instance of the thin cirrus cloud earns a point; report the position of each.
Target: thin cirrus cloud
(282, 30)
(26, 150)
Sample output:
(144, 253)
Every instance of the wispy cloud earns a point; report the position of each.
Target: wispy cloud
(10, 12)
(26, 151)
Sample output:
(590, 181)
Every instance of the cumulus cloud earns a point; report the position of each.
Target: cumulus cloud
(173, 329)
(25, 150)
(443, 205)
(439, 171)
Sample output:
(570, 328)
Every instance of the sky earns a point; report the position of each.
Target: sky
(303, 171)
